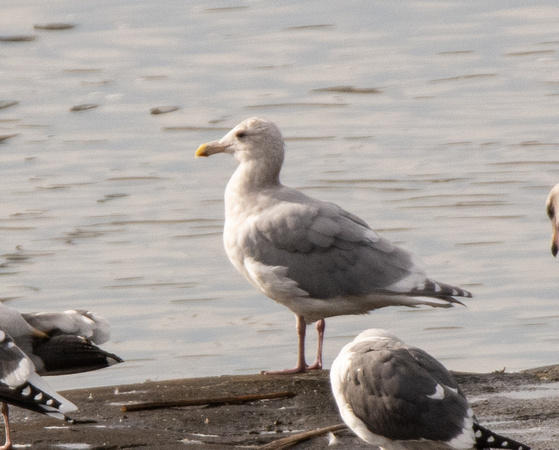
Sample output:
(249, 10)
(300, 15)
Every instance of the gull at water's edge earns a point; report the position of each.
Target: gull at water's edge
(552, 208)
(311, 256)
(399, 397)
(46, 343)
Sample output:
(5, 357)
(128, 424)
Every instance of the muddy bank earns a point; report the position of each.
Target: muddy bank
(524, 406)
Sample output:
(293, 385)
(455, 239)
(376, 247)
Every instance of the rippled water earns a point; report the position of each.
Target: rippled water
(436, 122)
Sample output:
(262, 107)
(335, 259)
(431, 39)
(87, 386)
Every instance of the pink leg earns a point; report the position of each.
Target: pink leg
(301, 364)
(6, 415)
(320, 326)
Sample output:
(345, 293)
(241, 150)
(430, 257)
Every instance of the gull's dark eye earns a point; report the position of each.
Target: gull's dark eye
(241, 134)
(550, 211)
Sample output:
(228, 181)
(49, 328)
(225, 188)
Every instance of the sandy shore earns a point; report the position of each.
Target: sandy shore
(524, 406)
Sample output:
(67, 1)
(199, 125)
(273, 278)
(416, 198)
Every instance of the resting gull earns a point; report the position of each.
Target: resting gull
(552, 207)
(46, 343)
(398, 397)
(311, 256)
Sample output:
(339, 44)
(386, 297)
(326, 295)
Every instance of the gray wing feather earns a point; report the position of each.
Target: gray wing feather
(71, 322)
(15, 366)
(327, 251)
(20, 384)
(389, 391)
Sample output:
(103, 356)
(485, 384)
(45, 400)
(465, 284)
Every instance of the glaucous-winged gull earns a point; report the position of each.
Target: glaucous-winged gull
(398, 397)
(552, 208)
(46, 343)
(311, 256)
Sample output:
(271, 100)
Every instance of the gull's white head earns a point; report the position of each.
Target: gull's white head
(374, 334)
(552, 208)
(252, 139)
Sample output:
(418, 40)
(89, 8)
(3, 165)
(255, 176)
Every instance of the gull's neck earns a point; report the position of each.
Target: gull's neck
(252, 177)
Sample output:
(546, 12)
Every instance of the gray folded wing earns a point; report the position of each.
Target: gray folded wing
(405, 394)
(327, 251)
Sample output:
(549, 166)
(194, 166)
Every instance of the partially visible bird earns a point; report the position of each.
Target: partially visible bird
(398, 397)
(311, 256)
(46, 343)
(552, 208)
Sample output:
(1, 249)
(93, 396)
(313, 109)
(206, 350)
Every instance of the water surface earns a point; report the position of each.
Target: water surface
(435, 122)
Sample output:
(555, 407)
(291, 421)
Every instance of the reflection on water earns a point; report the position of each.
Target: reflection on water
(435, 122)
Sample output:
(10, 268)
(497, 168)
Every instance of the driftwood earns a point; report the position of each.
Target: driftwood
(207, 401)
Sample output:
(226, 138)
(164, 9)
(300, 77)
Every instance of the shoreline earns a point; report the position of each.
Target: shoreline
(522, 405)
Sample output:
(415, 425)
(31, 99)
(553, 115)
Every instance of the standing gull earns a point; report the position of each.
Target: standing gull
(398, 397)
(552, 207)
(46, 343)
(311, 256)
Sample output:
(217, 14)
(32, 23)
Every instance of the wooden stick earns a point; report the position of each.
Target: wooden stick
(207, 401)
(290, 441)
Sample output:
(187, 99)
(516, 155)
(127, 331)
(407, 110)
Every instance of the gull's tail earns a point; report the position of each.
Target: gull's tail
(442, 291)
(486, 439)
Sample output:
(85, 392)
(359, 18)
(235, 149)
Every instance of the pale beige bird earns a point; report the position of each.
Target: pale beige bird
(311, 256)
